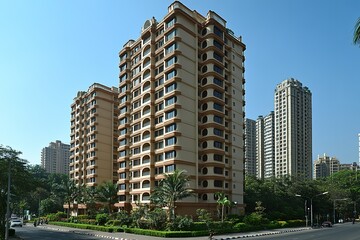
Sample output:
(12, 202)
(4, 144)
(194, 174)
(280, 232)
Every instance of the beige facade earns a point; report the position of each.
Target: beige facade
(250, 147)
(325, 166)
(93, 146)
(181, 95)
(293, 130)
(55, 157)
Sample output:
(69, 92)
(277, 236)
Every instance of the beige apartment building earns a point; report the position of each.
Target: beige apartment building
(325, 166)
(93, 143)
(55, 157)
(293, 130)
(181, 103)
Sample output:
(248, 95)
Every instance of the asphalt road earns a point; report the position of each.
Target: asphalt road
(346, 231)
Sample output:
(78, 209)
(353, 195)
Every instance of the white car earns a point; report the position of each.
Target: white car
(15, 223)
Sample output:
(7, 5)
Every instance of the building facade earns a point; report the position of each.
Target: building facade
(93, 137)
(325, 166)
(250, 147)
(293, 130)
(181, 95)
(269, 146)
(55, 157)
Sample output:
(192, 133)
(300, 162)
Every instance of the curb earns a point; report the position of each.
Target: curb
(263, 234)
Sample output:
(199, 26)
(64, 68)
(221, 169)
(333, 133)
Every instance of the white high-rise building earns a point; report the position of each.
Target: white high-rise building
(269, 146)
(55, 157)
(293, 130)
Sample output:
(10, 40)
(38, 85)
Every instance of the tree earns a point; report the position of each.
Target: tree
(170, 190)
(107, 193)
(356, 38)
(223, 201)
(18, 175)
(71, 193)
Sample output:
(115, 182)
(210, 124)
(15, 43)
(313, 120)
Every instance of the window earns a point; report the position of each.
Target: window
(122, 153)
(218, 107)
(170, 61)
(218, 94)
(136, 127)
(123, 99)
(170, 168)
(136, 150)
(218, 32)
(218, 132)
(218, 170)
(218, 82)
(170, 128)
(136, 82)
(218, 45)
(170, 101)
(123, 131)
(218, 144)
(159, 132)
(159, 144)
(170, 114)
(170, 141)
(159, 157)
(159, 119)
(159, 107)
(122, 142)
(218, 119)
(123, 77)
(218, 69)
(170, 74)
(122, 164)
(159, 70)
(170, 154)
(159, 94)
(218, 57)
(171, 48)
(218, 158)
(218, 183)
(122, 175)
(123, 110)
(159, 82)
(170, 35)
(170, 87)
(170, 23)
(122, 186)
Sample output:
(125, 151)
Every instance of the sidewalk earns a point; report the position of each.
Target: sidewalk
(129, 236)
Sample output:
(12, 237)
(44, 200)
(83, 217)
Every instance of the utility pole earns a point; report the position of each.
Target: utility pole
(8, 203)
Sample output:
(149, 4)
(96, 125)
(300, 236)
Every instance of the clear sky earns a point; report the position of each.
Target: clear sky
(49, 50)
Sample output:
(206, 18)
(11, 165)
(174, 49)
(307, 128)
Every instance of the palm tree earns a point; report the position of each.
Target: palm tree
(107, 193)
(356, 39)
(223, 201)
(71, 193)
(171, 189)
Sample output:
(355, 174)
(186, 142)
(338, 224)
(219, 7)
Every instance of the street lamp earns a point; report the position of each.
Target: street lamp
(306, 213)
(311, 205)
(341, 199)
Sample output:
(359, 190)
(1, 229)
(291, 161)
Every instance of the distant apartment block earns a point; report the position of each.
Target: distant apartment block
(181, 95)
(325, 166)
(93, 145)
(250, 147)
(293, 130)
(55, 157)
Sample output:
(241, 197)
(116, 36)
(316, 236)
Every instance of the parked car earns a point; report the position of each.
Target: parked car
(326, 224)
(16, 223)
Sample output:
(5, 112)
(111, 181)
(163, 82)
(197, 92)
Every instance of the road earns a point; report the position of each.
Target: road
(344, 231)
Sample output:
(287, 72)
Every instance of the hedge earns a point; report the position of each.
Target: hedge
(89, 226)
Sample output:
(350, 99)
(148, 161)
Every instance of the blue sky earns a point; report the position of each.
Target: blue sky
(49, 50)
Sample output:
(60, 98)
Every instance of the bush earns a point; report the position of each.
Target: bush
(295, 223)
(157, 219)
(180, 223)
(102, 218)
(255, 219)
(56, 216)
(124, 218)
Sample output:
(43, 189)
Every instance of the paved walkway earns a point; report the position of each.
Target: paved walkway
(129, 236)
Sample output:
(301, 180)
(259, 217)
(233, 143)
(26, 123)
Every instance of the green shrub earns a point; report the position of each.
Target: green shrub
(199, 226)
(295, 223)
(102, 218)
(255, 218)
(180, 223)
(157, 219)
(124, 218)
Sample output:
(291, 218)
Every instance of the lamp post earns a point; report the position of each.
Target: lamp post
(341, 199)
(311, 205)
(306, 213)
